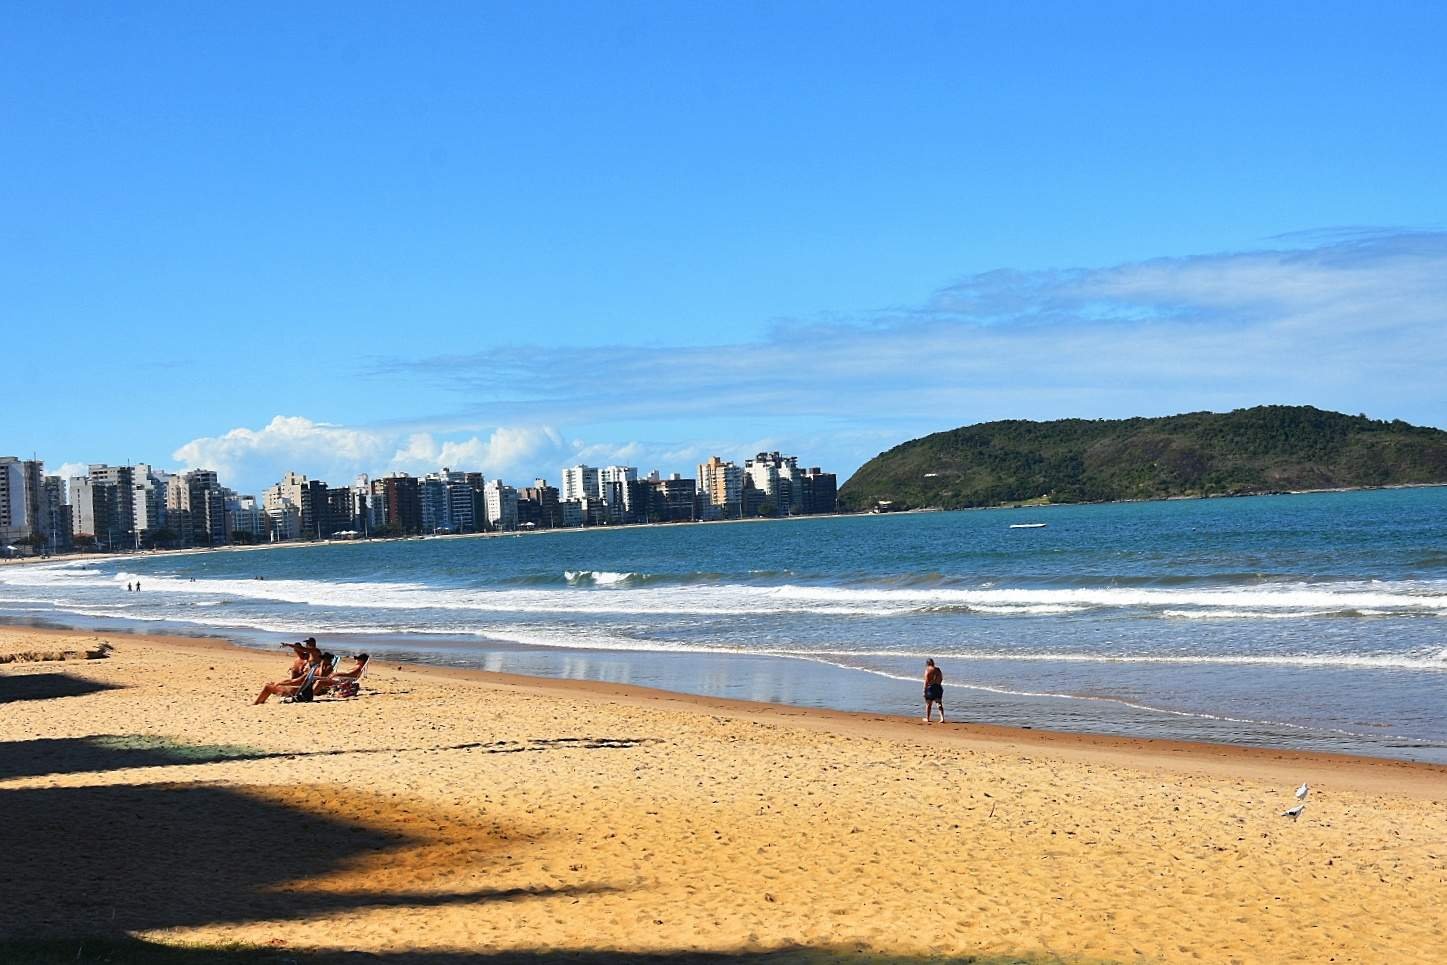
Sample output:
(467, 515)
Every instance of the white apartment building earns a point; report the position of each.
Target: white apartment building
(82, 506)
(613, 487)
(778, 477)
(245, 515)
(502, 505)
(150, 494)
(581, 482)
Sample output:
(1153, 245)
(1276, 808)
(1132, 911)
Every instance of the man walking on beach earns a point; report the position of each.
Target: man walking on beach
(934, 691)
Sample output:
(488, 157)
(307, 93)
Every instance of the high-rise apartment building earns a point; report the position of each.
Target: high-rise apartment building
(197, 500)
(401, 505)
(721, 485)
(150, 496)
(820, 490)
(104, 507)
(54, 514)
(466, 507)
(581, 482)
(306, 498)
(546, 497)
(16, 515)
(502, 505)
(776, 477)
(675, 499)
(432, 497)
(613, 490)
(245, 518)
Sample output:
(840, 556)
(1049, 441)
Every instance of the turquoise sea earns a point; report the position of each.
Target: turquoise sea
(1313, 620)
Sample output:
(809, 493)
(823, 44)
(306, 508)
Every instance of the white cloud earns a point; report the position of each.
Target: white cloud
(507, 451)
(284, 442)
(1356, 323)
(67, 470)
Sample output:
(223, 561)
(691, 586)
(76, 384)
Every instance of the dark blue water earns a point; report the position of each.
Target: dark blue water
(1316, 620)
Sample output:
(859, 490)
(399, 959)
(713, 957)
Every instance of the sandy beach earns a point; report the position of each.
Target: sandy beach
(450, 814)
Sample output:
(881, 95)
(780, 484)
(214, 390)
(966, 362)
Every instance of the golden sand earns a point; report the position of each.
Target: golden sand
(143, 794)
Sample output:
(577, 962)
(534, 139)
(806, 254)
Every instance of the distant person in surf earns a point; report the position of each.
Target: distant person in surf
(934, 691)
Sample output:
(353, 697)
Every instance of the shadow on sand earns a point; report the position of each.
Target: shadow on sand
(136, 952)
(113, 752)
(107, 861)
(47, 686)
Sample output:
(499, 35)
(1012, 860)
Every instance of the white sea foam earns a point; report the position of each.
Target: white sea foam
(1257, 602)
(597, 577)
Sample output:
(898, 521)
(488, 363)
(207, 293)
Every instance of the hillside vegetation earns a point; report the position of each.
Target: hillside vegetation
(1265, 449)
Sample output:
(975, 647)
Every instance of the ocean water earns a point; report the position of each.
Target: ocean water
(1313, 620)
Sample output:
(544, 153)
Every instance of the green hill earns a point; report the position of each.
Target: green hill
(1265, 449)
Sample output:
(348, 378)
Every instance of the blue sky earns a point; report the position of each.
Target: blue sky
(343, 237)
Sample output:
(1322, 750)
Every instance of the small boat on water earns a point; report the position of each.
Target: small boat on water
(1028, 525)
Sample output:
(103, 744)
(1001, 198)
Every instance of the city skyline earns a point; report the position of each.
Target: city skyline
(123, 508)
(517, 238)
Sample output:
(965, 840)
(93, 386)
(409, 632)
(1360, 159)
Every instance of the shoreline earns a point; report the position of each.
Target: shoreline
(1358, 771)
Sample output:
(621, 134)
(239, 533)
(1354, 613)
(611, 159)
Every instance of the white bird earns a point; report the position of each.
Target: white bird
(1294, 813)
(1303, 791)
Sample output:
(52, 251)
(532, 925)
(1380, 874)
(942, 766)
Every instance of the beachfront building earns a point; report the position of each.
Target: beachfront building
(466, 508)
(675, 499)
(103, 508)
(363, 520)
(282, 505)
(283, 522)
(196, 500)
(338, 517)
(581, 482)
(571, 511)
(400, 509)
(819, 491)
(149, 492)
(613, 489)
(720, 487)
(307, 497)
(502, 505)
(432, 498)
(15, 505)
(776, 477)
(245, 518)
(55, 514)
(548, 502)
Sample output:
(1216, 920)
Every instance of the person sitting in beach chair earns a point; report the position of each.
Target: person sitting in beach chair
(345, 683)
(303, 689)
(301, 662)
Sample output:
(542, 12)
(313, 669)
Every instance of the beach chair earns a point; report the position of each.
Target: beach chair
(350, 686)
(306, 693)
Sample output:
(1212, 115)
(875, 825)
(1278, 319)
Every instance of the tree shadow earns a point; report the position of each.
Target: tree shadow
(108, 752)
(133, 951)
(112, 752)
(109, 860)
(47, 686)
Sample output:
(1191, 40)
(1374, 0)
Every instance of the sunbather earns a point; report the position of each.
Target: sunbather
(290, 688)
(344, 680)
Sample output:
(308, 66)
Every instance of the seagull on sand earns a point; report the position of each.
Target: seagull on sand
(1303, 791)
(1294, 813)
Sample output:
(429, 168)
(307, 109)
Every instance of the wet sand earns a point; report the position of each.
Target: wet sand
(451, 810)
